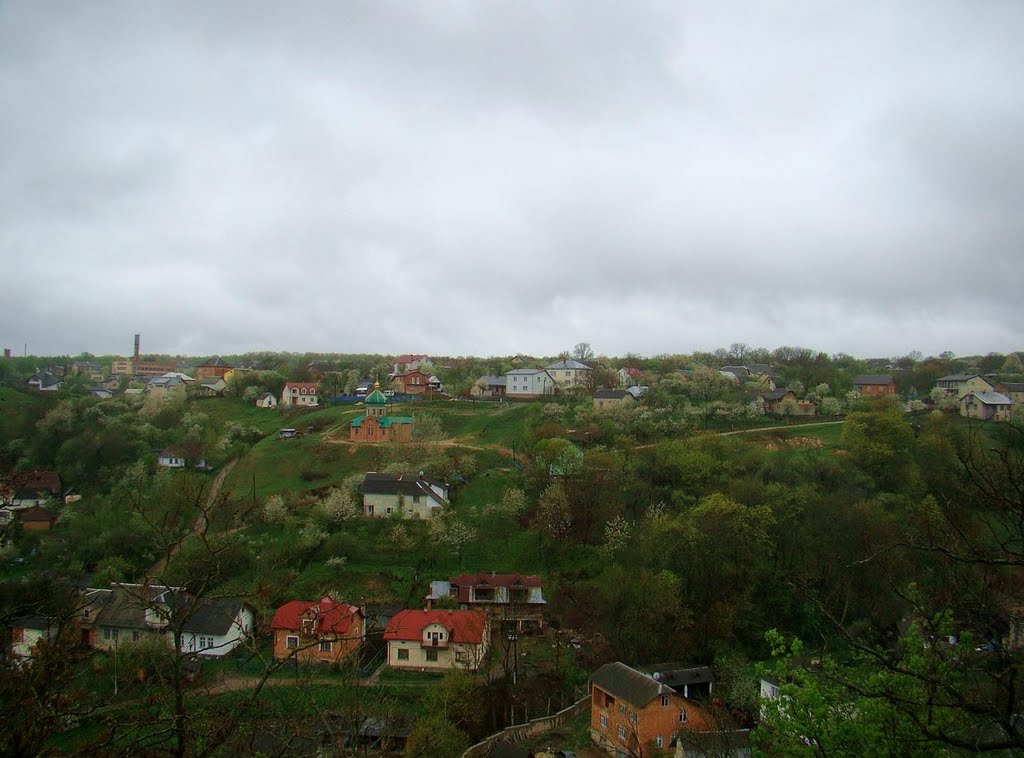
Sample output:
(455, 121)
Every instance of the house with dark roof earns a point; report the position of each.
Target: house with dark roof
(210, 386)
(632, 713)
(23, 489)
(992, 406)
(607, 399)
(172, 385)
(127, 613)
(132, 612)
(44, 381)
(28, 631)
(692, 682)
(215, 368)
(515, 599)
(958, 385)
(873, 385)
(36, 519)
(216, 626)
(569, 374)
(1013, 390)
(488, 386)
(529, 383)
(408, 495)
(437, 640)
(320, 631)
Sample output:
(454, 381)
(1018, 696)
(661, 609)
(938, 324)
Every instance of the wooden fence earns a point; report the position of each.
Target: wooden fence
(520, 732)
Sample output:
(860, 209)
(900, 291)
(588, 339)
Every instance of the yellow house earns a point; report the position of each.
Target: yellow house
(986, 405)
(437, 640)
(961, 384)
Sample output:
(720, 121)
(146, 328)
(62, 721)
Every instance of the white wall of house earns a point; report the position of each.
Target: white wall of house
(217, 646)
(418, 656)
(520, 383)
(410, 506)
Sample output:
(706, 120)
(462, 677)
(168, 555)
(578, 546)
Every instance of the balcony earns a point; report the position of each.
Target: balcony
(440, 644)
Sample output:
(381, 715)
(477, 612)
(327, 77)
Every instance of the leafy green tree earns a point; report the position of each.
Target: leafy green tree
(435, 736)
(881, 443)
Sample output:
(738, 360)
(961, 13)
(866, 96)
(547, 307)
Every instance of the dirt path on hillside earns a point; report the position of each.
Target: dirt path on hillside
(201, 523)
(775, 428)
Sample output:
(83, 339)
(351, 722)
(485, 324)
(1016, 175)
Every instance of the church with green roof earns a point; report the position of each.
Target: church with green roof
(376, 425)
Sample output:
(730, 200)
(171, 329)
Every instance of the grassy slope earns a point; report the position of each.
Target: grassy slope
(19, 411)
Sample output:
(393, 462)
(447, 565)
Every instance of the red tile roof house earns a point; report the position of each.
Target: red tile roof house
(322, 631)
(437, 640)
(300, 395)
(506, 598)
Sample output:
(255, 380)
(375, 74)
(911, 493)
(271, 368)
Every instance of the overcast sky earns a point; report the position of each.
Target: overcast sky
(497, 177)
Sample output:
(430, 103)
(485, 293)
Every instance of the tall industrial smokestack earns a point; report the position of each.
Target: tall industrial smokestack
(137, 338)
(7, 352)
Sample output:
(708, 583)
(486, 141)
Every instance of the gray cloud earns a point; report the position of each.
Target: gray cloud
(511, 176)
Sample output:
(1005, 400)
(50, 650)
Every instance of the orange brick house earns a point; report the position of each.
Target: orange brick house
(631, 713)
(215, 368)
(874, 384)
(376, 425)
(323, 631)
(410, 383)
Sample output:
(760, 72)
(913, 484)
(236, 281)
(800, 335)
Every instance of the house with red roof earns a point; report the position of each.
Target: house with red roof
(506, 598)
(300, 395)
(320, 631)
(437, 640)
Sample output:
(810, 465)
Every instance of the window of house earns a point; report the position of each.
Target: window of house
(622, 709)
(403, 654)
(325, 646)
(604, 721)
(682, 717)
(431, 655)
(659, 741)
(106, 632)
(632, 716)
(292, 642)
(622, 732)
(135, 636)
(664, 700)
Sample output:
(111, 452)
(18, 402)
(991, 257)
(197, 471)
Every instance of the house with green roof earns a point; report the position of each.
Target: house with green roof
(377, 425)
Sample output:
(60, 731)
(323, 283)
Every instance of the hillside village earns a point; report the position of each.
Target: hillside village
(573, 554)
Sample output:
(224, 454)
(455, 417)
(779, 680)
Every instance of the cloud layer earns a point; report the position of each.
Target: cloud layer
(492, 178)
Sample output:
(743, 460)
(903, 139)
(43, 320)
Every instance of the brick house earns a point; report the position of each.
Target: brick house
(410, 383)
(376, 425)
(215, 368)
(324, 631)
(300, 395)
(632, 713)
(36, 519)
(506, 598)
(437, 640)
(410, 495)
(870, 385)
(405, 363)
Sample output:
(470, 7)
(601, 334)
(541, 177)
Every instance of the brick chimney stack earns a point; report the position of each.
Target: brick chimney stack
(137, 338)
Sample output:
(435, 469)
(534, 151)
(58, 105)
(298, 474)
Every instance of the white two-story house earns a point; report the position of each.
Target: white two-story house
(529, 383)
